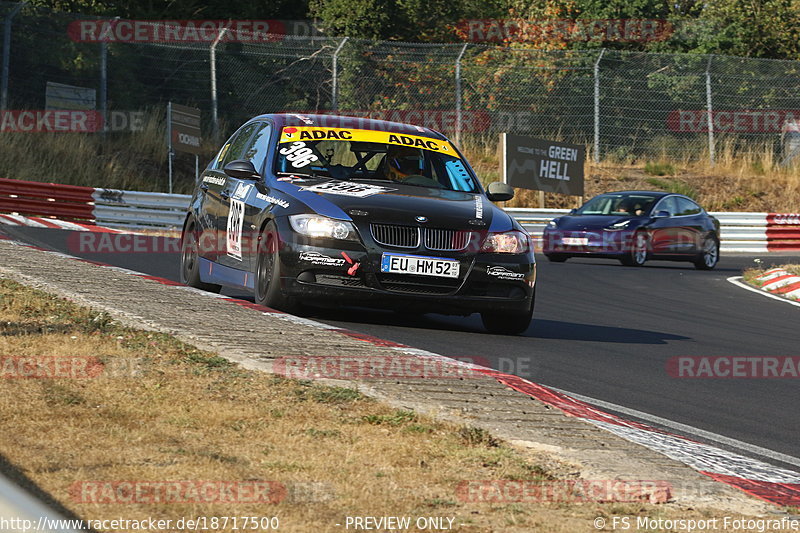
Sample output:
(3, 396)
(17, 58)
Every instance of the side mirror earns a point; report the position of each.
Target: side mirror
(661, 214)
(572, 211)
(498, 191)
(241, 169)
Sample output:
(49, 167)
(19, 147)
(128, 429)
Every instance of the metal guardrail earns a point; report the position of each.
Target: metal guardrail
(140, 209)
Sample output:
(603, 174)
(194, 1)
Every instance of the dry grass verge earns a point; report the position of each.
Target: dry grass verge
(749, 275)
(180, 414)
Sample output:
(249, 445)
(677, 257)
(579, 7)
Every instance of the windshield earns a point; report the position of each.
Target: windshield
(618, 204)
(369, 155)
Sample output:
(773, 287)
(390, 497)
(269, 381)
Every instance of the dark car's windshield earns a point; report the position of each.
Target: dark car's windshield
(633, 204)
(369, 155)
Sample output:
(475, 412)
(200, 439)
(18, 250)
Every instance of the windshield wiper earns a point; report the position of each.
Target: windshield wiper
(302, 174)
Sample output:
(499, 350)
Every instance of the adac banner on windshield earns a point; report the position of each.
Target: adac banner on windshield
(316, 133)
(540, 165)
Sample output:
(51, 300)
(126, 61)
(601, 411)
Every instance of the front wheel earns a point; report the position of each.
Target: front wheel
(709, 255)
(638, 254)
(268, 274)
(508, 323)
(190, 262)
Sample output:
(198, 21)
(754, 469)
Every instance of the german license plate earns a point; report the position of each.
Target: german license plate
(419, 265)
(575, 241)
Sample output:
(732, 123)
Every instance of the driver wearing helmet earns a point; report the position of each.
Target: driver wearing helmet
(403, 162)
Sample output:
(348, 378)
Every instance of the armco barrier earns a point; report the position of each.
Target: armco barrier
(740, 232)
(131, 209)
(68, 202)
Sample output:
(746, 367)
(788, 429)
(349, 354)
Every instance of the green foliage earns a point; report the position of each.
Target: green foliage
(659, 169)
(674, 186)
(406, 20)
(185, 9)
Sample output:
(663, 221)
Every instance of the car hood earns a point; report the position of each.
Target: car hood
(400, 204)
(593, 222)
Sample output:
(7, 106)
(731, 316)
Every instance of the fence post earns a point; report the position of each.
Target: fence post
(7, 54)
(712, 156)
(597, 106)
(335, 81)
(213, 61)
(458, 93)
(104, 84)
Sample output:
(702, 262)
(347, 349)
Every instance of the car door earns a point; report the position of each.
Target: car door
(212, 182)
(662, 229)
(234, 235)
(689, 226)
(259, 196)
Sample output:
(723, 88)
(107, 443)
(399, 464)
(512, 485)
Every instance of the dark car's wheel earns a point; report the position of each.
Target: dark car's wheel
(190, 264)
(508, 323)
(638, 254)
(556, 258)
(268, 274)
(709, 254)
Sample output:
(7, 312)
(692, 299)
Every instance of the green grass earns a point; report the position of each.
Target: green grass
(659, 169)
(675, 186)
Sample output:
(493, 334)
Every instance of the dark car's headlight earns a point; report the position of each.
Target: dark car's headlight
(320, 226)
(553, 224)
(619, 225)
(510, 242)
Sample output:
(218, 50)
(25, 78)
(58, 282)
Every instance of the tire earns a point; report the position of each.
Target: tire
(268, 274)
(709, 254)
(556, 258)
(508, 323)
(190, 263)
(638, 254)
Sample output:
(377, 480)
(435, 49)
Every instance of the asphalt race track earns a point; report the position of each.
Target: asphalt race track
(603, 331)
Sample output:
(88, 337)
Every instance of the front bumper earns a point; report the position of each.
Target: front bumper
(347, 272)
(606, 243)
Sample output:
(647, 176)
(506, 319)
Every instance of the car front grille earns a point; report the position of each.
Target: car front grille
(417, 284)
(396, 236)
(446, 240)
(442, 240)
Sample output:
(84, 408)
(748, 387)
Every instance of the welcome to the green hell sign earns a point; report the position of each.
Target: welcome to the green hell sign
(542, 165)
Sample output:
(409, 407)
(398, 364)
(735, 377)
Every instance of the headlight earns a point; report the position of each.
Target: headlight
(552, 224)
(511, 242)
(319, 226)
(619, 225)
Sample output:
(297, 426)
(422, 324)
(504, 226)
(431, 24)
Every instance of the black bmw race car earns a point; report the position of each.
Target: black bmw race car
(634, 226)
(323, 210)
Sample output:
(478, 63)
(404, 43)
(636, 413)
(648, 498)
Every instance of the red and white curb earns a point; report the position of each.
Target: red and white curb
(765, 481)
(779, 281)
(53, 223)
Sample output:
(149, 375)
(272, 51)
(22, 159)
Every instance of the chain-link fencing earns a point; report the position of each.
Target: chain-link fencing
(622, 105)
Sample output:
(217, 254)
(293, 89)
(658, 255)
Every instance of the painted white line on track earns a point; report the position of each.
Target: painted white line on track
(684, 428)
(736, 280)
